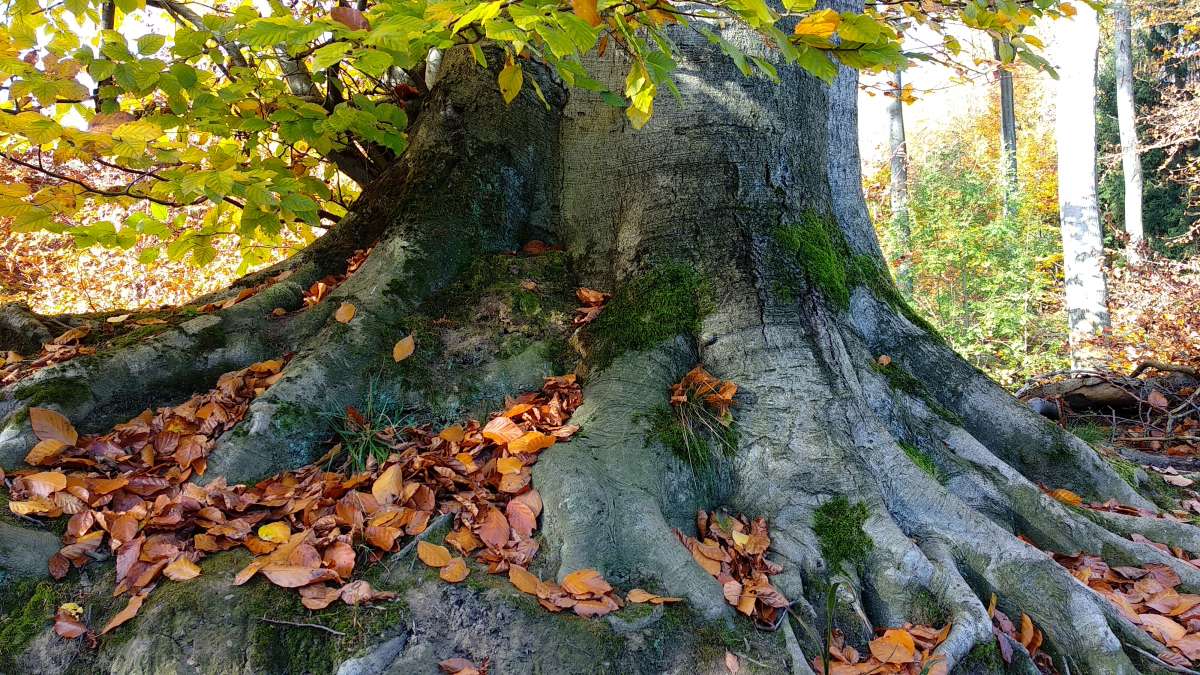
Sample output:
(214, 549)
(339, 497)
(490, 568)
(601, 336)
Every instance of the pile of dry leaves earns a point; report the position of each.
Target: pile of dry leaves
(14, 367)
(907, 650)
(1147, 596)
(129, 491)
(699, 385)
(733, 551)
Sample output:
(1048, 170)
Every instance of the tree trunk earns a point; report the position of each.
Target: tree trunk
(1075, 131)
(1131, 161)
(901, 224)
(733, 232)
(1008, 136)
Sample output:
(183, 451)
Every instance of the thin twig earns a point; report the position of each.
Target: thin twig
(303, 625)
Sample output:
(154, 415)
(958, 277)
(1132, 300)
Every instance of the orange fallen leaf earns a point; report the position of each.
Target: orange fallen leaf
(339, 557)
(506, 465)
(389, 485)
(454, 571)
(130, 611)
(894, 646)
(45, 452)
(493, 528)
(345, 312)
(502, 430)
(295, 576)
(181, 569)
(45, 483)
(523, 580)
(432, 554)
(50, 425)
(404, 349)
(453, 434)
(533, 441)
(1066, 497)
(585, 581)
(464, 540)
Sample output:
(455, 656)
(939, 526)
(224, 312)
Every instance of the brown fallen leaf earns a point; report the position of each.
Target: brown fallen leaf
(525, 581)
(731, 663)
(295, 576)
(585, 581)
(50, 425)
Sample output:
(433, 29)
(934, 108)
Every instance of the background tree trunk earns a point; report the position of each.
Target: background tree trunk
(1131, 161)
(1008, 135)
(1076, 42)
(898, 151)
(733, 232)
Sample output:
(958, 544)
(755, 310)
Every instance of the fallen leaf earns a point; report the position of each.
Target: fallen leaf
(584, 582)
(278, 532)
(731, 663)
(50, 425)
(432, 554)
(1157, 400)
(181, 569)
(894, 646)
(523, 580)
(403, 349)
(389, 485)
(45, 452)
(345, 311)
(130, 611)
(1066, 497)
(884, 360)
(339, 557)
(454, 571)
(493, 528)
(1163, 627)
(294, 576)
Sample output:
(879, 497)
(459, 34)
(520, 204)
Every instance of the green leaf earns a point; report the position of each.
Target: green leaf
(330, 54)
(150, 43)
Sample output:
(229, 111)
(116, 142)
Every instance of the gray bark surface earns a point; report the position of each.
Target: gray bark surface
(711, 183)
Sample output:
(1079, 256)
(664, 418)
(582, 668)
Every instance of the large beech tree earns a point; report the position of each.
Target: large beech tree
(707, 174)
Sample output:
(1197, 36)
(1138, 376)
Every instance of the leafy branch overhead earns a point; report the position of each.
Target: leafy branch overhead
(255, 114)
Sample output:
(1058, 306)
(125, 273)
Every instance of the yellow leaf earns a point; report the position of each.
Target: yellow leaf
(507, 465)
(389, 485)
(1066, 496)
(277, 532)
(533, 441)
(344, 313)
(510, 80)
(1067, 9)
(586, 10)
(453, 434)
(819, 25)
(432, 554)
(404, 349)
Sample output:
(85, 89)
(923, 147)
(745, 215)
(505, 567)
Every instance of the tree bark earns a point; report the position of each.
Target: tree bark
(898, 152)
(753, 190)
(1131, 161)
(1086, 290)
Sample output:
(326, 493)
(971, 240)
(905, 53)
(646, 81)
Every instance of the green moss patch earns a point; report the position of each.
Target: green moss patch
(901, 380)
(671, 299)
(923, 461)
(816, 249)
(838, 526)
(25, 611)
